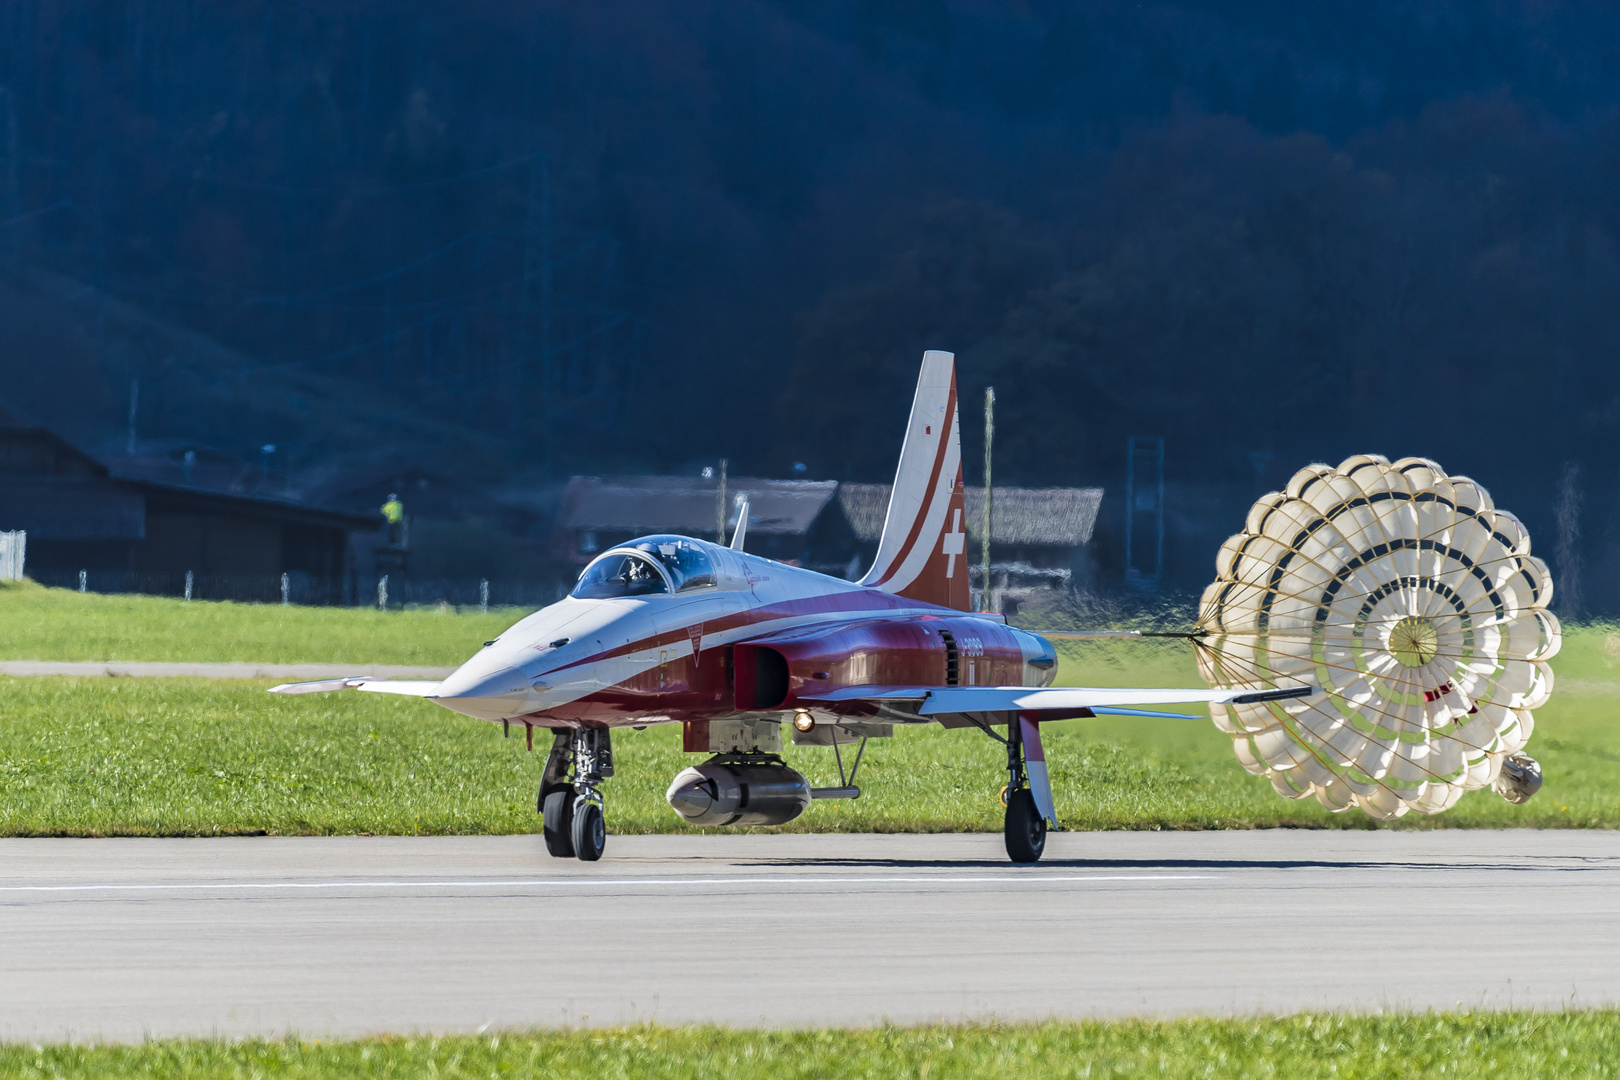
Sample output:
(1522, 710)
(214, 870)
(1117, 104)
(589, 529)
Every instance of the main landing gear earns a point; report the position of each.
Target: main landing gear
(1024, 828)
(572, 809)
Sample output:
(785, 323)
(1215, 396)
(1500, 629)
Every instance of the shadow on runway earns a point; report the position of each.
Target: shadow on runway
(1532, 864)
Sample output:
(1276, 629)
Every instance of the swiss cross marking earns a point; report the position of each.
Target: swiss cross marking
(955, 544)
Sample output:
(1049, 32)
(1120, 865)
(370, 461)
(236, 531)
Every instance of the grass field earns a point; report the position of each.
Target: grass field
(37, 623)
(197, 757)
(1507, 1045)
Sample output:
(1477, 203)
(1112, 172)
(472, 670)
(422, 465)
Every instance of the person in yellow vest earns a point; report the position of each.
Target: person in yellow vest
(394, 512)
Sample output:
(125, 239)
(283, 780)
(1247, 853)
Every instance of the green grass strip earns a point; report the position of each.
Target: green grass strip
(37, 623)
(1509, 1045)
(196, 757)
(192, 757)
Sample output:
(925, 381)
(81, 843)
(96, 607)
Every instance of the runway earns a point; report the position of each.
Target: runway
(125, 939)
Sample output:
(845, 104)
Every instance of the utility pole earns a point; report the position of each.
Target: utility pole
(1144, 494)
(264, 463)
(536, 314)
(547, 380)
(134, 408)
(720, 507)
(10, 225)
(604, 360)
(984, 524)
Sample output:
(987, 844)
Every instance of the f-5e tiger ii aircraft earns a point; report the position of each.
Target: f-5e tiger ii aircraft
(672, 629)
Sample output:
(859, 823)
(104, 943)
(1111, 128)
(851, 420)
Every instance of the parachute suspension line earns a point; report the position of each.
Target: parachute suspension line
(1255, 673)
(1230, 668)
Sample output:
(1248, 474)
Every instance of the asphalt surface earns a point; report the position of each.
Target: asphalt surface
(160, 669)
(124, 939)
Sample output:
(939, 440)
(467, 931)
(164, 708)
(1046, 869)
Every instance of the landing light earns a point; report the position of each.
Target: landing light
(803, 721)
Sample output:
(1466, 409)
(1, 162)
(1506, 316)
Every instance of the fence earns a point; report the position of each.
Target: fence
(475, 593)
(13, 548)
(301, 588)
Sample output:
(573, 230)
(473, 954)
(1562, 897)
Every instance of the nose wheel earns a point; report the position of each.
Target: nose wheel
(571, 810)
(588, 830)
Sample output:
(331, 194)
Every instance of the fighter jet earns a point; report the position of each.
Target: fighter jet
(732, 646)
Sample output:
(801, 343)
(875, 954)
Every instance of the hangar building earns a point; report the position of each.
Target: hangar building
(133, 527)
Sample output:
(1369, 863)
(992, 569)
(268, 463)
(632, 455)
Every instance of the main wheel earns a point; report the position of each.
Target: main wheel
(1025, 828)
(589, 831)
(559, 823)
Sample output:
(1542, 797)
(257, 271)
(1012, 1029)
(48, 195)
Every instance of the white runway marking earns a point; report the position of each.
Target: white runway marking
(1004, 879)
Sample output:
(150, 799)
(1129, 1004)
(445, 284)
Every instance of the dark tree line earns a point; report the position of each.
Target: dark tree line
(639, 235)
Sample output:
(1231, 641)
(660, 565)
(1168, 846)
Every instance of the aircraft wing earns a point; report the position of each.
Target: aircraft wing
(408, 687)
(954, 705)
(1068, 700)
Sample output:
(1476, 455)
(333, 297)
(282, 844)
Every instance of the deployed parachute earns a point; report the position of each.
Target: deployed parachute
(1417, 609)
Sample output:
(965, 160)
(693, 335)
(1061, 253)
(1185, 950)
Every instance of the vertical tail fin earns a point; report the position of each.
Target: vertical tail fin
(923, 553)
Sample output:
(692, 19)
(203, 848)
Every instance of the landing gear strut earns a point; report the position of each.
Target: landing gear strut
(572, 810)
(1024, 829)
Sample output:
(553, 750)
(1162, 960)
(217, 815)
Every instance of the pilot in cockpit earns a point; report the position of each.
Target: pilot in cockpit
(636, 572)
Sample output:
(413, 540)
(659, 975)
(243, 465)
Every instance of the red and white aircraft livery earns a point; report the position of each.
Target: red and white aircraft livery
(671, 629)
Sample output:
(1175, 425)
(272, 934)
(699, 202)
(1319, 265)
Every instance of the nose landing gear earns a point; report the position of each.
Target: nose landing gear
(572, 810)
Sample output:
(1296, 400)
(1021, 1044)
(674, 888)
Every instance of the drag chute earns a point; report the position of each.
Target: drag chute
(1416, 609)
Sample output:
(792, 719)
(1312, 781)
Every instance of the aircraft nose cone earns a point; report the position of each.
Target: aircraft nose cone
(488, 695)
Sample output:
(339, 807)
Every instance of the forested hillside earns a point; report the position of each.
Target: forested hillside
(528, 239)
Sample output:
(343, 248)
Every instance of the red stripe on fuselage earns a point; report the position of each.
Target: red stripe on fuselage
(855, 603)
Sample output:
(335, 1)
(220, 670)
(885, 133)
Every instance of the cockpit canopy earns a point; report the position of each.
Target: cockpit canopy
(650, 566)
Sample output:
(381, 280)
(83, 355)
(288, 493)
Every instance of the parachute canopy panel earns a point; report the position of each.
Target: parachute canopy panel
(1417, 608)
